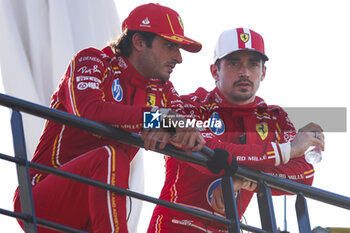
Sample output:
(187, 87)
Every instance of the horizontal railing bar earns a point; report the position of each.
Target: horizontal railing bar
(252, 229)
(11, 159)
(295, 188)
(40, 221)
(17, 215)
(57, 226)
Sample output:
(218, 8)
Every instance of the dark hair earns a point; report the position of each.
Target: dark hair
(123, 43)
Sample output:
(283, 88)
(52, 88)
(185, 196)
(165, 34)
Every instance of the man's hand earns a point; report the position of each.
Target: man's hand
(186, 138)
(189, 139)
(152, 136)
(217, 202)
(305, 138)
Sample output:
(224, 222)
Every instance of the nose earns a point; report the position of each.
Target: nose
(244, 71)
(177, 56)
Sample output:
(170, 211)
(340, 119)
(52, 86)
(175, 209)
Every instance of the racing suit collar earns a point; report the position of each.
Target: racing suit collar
(134, 77)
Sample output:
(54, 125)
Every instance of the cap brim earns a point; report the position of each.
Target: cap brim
(263, 56)
(187, 43)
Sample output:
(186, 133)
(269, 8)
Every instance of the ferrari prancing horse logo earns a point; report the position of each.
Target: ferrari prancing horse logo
(180, 22)
(244, 37)
(262, 130)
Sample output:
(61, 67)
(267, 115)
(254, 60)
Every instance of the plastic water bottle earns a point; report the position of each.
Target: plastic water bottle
(313, 155)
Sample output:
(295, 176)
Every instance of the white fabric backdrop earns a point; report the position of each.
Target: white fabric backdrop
(37, 40)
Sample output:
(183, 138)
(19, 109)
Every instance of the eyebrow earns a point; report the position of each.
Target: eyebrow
(238, 59)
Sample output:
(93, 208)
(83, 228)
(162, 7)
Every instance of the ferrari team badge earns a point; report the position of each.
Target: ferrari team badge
(151, 100)
(262, 130)
(244, 37)
(180, 22)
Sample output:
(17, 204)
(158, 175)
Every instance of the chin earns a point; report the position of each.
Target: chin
(165, 77)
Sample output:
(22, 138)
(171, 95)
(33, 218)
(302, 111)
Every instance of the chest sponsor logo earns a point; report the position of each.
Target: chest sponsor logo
(88, 78)
(151, 100)
(117, 90)
(213, 128)
(262, 130)
(86, 70)
(89, 58)
(84, 85)
(122, 63)
(211, 188)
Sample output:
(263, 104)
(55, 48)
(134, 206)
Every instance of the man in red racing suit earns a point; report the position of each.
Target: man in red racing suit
(259, 136)
(109, 88)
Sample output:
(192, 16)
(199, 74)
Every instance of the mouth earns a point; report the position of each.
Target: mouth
(170, 68)
(243, 84)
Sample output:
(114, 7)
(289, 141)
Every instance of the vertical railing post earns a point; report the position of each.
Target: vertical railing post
(25, 191)
(302, 214)
(267, 213)
(230, 204)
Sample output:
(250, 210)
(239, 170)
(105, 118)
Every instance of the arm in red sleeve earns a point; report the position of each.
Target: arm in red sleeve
(296, 169)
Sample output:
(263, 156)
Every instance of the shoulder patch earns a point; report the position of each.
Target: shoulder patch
(117, 90)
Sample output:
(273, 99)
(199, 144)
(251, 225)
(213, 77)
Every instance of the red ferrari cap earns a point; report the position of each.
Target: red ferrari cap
(239, 39)
(162, 21)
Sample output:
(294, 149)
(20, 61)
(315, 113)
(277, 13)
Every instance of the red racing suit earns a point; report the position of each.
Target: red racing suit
(256, 134)
(104, 87)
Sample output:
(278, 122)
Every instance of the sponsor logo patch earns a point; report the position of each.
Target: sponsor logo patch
(84, 85)
(262, 130)
(86, 70)
(117, 90)
(145, 23)
(180, 22)
(213, 128)
(88, 78)
(212, 186)
(244, 37)
(151, 100)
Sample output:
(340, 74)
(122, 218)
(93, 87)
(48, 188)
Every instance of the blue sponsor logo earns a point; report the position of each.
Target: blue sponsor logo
(151, 120)
(212, 186)
(213, 127)
(117, 90)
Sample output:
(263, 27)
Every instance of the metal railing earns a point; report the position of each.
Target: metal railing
(265, 181)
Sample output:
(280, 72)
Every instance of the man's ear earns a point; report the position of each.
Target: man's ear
(214, 69)
(138, 42)
(263, 73)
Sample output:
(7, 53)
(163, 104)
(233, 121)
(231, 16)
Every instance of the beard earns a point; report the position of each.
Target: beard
(242, 96)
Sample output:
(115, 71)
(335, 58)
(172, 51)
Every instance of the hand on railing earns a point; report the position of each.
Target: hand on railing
(188, 139)
(217, 201)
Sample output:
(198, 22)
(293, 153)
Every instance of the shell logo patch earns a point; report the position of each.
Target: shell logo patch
(262, 130)
(244, 37)
(180, 22)
(216, 183)
(117, 90)
(216, 130)
(151, 100)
